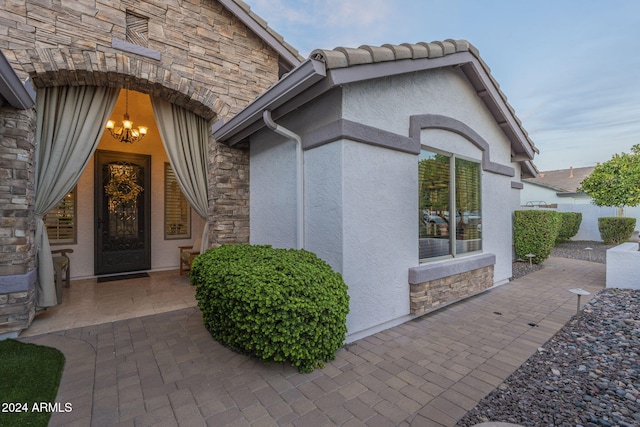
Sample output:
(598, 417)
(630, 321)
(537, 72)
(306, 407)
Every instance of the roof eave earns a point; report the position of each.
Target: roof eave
(545, 186)
(243, 12)
(18, 95)
(484, 85)
(288, 87)
(528, 169)
(572, 194)
(340, 72)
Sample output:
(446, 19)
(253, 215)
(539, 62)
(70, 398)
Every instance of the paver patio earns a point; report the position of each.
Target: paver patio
(166, 370)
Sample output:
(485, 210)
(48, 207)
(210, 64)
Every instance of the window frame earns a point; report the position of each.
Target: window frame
(58, 210)
(166, 226)
(453, 190)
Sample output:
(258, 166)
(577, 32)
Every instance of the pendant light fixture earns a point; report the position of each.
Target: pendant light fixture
(126, 133)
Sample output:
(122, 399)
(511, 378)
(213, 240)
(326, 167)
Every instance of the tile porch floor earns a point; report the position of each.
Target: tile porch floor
(88, 303)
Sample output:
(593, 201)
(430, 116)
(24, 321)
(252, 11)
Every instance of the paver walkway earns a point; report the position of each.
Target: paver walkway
(166, 370)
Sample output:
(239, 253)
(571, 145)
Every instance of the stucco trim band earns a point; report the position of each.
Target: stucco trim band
(18, 282)
(441, 269)
(346, 129)
(517, 185)
(436, 121)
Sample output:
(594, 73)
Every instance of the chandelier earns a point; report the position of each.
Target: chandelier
(126, 133)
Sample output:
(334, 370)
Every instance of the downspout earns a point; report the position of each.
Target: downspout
(266, 116)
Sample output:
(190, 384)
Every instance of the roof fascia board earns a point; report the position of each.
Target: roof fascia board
(545, 186)
(340, 76)
(530, 168)
(18, 95)
(265, 35)
(496, 99)
(576, 194)
(299, 79)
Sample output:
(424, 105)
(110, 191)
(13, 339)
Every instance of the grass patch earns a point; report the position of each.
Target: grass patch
(30, 375)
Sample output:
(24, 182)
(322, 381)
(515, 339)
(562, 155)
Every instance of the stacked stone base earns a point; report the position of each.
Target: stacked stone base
(429, 295)
(17, 310)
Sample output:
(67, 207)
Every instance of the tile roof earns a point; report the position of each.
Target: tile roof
(562, 180)
(343, 57)
(344, 65)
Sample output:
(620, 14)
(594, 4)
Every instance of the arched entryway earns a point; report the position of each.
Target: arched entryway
(101, 230)
(210, 58)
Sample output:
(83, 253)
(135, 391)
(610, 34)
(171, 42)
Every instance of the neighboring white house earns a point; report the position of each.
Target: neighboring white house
(555, 187)
(399, 165)
(558, 189)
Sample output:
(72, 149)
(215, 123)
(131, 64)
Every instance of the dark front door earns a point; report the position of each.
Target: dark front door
(122, 212)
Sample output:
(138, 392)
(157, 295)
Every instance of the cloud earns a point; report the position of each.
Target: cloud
(567, 68)
(327, 24)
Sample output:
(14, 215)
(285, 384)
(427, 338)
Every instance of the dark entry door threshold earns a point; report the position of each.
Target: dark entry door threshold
(114, 277)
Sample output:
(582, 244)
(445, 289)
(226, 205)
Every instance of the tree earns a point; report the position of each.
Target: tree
(615, 182)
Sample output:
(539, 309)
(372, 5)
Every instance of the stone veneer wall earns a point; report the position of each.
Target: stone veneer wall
(17, 310)
(17, 224)
(430, 295)
(193, 53)
(228, 194)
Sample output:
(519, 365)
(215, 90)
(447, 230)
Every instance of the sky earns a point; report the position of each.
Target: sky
(569, 68)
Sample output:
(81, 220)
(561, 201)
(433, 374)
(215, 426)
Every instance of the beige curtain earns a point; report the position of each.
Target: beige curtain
(185, 136)
(70, 122)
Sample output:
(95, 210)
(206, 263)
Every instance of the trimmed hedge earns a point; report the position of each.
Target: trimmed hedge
(276, 304)
(615, 230)
(569, 225)
(535, 232)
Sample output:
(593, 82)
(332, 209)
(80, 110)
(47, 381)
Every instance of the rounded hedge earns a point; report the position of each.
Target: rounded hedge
(615, 230)
(569, 225)
(276, 304)
(535, 232)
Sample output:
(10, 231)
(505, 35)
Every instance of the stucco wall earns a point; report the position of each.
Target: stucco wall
(380, 241)
(324, 218)
(361, 199)
(272, 190)
(446, 92)
(358, 200)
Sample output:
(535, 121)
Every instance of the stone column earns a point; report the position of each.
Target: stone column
(17, 225)
(228, 194)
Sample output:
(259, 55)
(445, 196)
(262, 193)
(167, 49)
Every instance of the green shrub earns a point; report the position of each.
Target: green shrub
(569, 225)
(535, 232)
(615, 230)
(276, 304)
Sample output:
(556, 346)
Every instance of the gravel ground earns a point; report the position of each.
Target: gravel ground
(587, 375)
